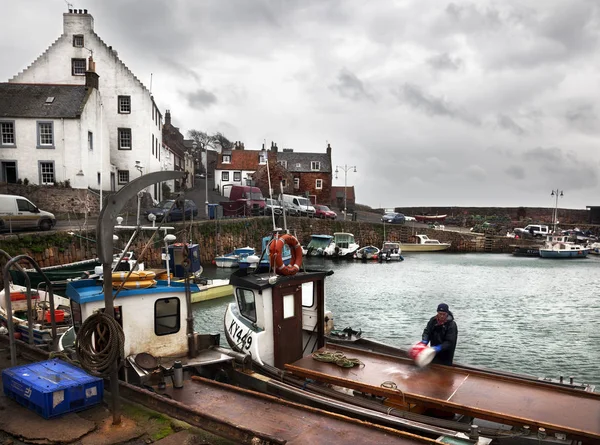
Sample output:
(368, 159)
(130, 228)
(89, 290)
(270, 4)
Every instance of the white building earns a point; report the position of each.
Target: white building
(51, 134)
(122, 105)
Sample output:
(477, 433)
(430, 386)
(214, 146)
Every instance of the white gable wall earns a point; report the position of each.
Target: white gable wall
(145, 121)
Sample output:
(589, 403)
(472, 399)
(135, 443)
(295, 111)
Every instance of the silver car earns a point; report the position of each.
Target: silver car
(273, 207)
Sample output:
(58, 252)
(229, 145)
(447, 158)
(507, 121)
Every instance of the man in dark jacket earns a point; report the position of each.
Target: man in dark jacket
(441, 333)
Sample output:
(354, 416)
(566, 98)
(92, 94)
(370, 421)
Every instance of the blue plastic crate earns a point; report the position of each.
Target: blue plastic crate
(52, 387)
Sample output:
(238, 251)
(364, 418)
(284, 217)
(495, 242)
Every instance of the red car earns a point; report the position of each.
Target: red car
(324, 212)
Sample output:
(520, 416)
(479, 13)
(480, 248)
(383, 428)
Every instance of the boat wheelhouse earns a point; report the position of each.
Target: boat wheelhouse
(343, 245)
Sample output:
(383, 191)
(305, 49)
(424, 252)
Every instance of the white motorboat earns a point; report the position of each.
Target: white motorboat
(424, 244)
(391, 251)
(343, 245)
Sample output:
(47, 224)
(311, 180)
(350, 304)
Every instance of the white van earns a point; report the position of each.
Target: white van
(297, 205)
(17, 212)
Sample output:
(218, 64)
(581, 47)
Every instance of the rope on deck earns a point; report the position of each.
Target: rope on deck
(338, 358)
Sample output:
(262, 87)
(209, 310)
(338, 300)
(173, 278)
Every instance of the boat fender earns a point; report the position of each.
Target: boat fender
(138, 275)
(276, 259)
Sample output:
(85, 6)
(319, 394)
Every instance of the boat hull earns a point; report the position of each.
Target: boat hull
(568, 254)
(424, 247)
(430, 218)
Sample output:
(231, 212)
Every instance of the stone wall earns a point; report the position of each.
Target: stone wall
(217, 238)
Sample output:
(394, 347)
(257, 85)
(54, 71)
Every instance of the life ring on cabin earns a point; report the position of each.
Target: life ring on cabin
(142, 284)
(276, 259)
(138, 275)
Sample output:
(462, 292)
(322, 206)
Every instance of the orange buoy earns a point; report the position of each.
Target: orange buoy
(276, 258)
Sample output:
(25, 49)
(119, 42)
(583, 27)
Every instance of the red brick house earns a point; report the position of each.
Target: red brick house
(337, 198)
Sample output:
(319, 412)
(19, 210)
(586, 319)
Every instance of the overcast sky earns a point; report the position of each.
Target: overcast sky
(447, 103)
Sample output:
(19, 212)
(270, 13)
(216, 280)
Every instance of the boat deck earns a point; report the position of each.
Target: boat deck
(479, 394)
(278, 421)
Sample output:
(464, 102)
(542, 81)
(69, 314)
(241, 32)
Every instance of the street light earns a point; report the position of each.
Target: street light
(556, 193)
(195, 147)
(346, 168)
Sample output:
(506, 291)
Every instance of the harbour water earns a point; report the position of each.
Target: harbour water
(526, 315)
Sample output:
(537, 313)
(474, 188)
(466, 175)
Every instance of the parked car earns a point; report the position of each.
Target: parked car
(393, 218)
(534, 230)
(297, 205)
(273, 207)
(176, 213)
(324, 212)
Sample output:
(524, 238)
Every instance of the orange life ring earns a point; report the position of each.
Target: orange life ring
(276, 259)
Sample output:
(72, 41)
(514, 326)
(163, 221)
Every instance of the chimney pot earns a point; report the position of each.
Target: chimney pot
(70, 11)
(79, 11)
(85, 11)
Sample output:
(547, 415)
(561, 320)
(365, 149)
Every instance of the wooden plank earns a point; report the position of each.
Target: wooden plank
(499, 398)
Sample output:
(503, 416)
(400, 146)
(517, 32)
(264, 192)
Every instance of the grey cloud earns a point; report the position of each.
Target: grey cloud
(583, 117)
(179, 68)
(476, 172)
(200, 98)
(445, 62)
(435, 106)
(508, 124)
(350, 86)
(473, 17)
(516, 172)
(563, 168)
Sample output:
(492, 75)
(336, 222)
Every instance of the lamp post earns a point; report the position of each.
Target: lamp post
(345, 168)
(555, 193)
(195, 147)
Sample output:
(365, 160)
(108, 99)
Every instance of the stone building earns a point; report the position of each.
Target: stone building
(174, 154)
(125, 122)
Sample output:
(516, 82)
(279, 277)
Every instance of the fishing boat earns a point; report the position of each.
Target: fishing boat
(281, 322)
(558, 246)
(367, 253)
(60, 272)
(343, 245)
(231, 260)
(262, 261)
(527, 251)
(318, 244)
(34, 325)
(391, 251)
(424, 244)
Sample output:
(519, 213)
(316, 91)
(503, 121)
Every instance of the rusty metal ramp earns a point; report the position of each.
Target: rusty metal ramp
(276, 421)
(479, 394)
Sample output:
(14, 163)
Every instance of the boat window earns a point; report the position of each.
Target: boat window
(247, 303)
(308, 295)
(167, 318)
(288, 306)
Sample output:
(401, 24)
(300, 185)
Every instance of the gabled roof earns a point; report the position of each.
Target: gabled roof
(304, 160)
(30, 100)
(240, 160)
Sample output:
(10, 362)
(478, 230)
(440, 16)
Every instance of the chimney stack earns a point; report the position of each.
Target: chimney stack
(329, 150)
(167, 117)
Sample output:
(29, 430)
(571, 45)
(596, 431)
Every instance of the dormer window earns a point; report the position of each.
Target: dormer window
(315, 165)
(78, 41)
(284, 163)
(262, 157)
(226, 159)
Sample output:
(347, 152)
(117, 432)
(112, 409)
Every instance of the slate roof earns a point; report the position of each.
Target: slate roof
(29, 100)
(304, 159)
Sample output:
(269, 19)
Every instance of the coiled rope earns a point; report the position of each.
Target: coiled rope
(338, 358)
(100, 344)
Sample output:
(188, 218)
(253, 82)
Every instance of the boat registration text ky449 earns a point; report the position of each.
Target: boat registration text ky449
(240, 335)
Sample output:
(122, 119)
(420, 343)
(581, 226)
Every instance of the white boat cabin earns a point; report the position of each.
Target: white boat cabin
(277, 319)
